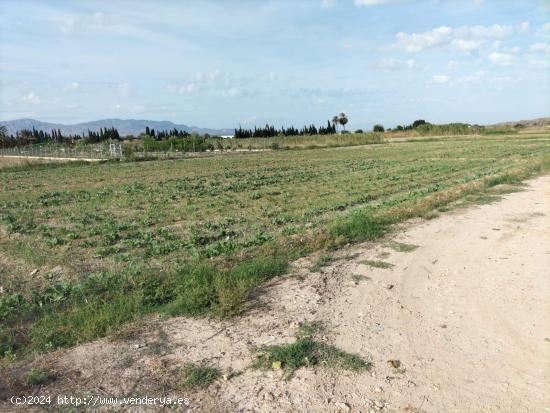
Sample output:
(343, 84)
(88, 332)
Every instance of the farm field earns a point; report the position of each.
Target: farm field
(85, 248)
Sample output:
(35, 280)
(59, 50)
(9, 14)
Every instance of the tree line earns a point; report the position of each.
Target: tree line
(55, 136)
(270, 131)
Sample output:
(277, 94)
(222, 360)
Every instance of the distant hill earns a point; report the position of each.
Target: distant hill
(124, 126)
(528, 122)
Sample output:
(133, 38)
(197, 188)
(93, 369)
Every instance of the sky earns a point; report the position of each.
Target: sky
(219, 63)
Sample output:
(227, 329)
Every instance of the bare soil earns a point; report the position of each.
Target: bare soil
(466, 314)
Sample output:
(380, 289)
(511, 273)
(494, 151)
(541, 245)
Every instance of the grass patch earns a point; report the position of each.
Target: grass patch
(306, 352)
(359, 226)
(401, 246)
(309, 329)
(320, 262)
(482, 199)
(38, 376)
(199, 376)
(377, 264)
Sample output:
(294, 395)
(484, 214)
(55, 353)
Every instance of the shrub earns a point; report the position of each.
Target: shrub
(378, 128)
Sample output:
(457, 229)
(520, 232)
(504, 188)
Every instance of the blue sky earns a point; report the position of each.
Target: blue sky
(224, 63)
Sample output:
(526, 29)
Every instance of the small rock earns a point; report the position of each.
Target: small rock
(394, 363)
(343, 406)
(269, 396)
(378, 389)
(34, 272)
(390, 286)
(443, 326)
(379, 403)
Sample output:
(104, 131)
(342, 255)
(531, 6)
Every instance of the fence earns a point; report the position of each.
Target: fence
(85, 152)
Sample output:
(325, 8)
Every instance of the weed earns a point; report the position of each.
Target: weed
(309, 329)
(306, 352)
(38, 376)
(377, 264)
(320, 262)
(401, 246)
(199, 376)
(360, 226)
(357, 278)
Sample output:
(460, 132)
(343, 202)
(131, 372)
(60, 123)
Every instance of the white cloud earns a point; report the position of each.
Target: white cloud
(103, 19)
(31, 98)
(546, 27)
(327, 4)
(232, 92)
(250, 119)
(137, 108)
(501, 59)
(451, 65)
(367, 3)
(416, 42)
(466, 46)
(124, 89)
(523, 27)
(72, 87)
(539, 64)
(466, 39)
(393, 64)
(472, 79)
(540, 47)
(66, 24)
(185, 89)
(214, 74)
(207, 76)
(496, 31)
(439, 79)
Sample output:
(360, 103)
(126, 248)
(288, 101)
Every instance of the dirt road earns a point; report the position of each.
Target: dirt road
(463, 304)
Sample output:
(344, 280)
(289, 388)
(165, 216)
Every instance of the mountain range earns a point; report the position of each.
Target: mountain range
(124, 126)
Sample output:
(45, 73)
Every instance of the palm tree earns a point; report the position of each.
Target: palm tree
(335, 122)
(343, 119)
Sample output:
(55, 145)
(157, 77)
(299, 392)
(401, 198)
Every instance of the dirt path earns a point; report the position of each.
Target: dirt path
(467, 314)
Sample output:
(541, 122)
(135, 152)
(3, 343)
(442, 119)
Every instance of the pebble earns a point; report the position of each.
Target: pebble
(378, 389)
(343, 406)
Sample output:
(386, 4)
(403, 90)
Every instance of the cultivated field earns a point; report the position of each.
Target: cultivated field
(87, 247)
